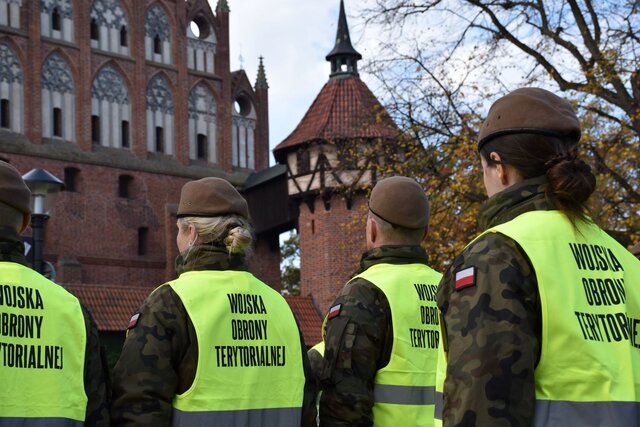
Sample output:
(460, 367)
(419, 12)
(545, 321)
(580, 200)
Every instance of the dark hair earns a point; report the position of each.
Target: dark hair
(571, 181)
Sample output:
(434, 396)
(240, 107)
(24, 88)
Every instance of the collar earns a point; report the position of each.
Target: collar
(525, 196)
(393, 254)
(209, 256)
(11, 246)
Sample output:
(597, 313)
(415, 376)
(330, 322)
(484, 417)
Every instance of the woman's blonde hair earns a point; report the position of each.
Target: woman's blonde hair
(233, 231)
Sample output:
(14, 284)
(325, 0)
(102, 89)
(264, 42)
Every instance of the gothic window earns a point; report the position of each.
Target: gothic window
(10, 13)
(124, 186)
(11, 90)
(201, 147)
(124, 130)
(243, 120)
(56, 19)
(71, 178)
(4, 114)
(110, 105)
(58, 99)
(160, 116)
(201, 45)
(157, 35)
(111, 33)
(143, 236)
(202, 124)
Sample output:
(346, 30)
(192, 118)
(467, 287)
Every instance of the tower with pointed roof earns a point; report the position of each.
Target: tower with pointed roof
(332, 159)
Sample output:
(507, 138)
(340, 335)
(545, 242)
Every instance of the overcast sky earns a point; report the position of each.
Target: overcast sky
(294, 37)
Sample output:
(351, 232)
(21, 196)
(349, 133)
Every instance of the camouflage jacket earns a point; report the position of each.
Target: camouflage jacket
(97, 384)
(358, 342)
(492, 330)
(160, 354)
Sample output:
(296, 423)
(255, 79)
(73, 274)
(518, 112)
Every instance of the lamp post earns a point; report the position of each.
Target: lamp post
(44, 190)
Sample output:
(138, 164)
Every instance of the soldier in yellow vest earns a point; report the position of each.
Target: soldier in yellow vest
(382, 333)
(216, 346)
(51, 367)
(541, 311)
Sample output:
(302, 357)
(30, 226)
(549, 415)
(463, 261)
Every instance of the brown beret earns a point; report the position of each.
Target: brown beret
(13, 190)
(533, 111)
(400, 201)
(209, 197)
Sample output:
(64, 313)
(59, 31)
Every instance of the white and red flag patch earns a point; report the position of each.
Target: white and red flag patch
(133, 321)
(334, 311)
(465, 278)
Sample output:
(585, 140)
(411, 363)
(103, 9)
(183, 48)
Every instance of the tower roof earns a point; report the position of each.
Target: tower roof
(261, 79)
(344, 109)
(343, 52)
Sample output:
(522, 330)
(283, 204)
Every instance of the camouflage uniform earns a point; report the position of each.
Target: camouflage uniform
(493, 329)
(358, 342)
(160, 354)
(96, 374)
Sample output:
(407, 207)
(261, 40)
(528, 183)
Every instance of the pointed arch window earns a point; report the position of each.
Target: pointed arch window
(202, 124)
(112, 28)
(58, 99)
(56, 19)
(157, 35)
(110, 105)
(11, 95)
(160, 116)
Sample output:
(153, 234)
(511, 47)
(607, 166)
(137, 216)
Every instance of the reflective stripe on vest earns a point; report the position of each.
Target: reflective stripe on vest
(404, 389)
(563, 413)
(42, 351)
(590, 304)
(249, 350)
(404, 394)
(274, 417)
(39, 422)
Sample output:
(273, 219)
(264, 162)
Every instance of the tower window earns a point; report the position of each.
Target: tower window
(303, 161)
(201, 147)
(55, 20)
(124, 129)
(124, 186)
(71, 179)
(57, 122)
(124, 36)
(94, 29)
(159, 139)
(4, 113)
(157, 45)
(143, 235)
(95, 129)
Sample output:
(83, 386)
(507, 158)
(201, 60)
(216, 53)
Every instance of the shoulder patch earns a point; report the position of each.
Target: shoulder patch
(465, 278)
(334, 311)
(133, 321)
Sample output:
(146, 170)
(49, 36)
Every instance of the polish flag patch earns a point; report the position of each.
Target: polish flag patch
(334, 311)
(465, 278)
(133, 321)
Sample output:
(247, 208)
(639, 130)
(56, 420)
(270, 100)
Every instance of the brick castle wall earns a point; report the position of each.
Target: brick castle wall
(331, 244)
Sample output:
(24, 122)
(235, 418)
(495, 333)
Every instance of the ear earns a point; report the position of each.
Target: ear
(26, 219)
(501, 170)
(373, 230)
(193, 233)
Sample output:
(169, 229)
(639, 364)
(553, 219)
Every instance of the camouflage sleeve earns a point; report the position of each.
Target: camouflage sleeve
(492, 332)
(356, 347)
(148, 373)
(96, 376)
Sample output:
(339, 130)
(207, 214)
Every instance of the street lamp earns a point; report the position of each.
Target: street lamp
(44, 191)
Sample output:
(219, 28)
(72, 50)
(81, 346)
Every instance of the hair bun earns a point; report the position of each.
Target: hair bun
(570, 179)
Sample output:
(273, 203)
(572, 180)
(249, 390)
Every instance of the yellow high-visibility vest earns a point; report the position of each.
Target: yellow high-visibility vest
(42, 351)
(589, 368)
(404, 390)
(249, 353)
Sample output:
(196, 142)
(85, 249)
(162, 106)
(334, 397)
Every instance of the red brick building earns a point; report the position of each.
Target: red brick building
(332, 158)
(126, 100)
